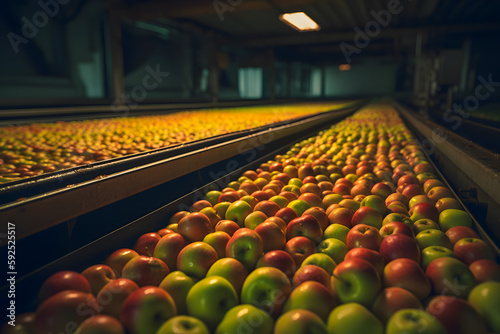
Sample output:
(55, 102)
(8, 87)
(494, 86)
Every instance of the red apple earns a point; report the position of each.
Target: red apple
(439, 192)
(311, 272)
(98, 276)
(119, 258)
(196, 258)
(369, 255)
(194, 227)
(287, 214)
(367, 216)
(342, 216)
(424, 210)
(485, 270)
(407, 274)
(307, 226)
(269, 208)
(392, 299)
(146, 243)
(382, 190)
(395, 228)
(300, 248)
(450, 277)
(469, 250)
(227, 226)
(272, 236)
(278, 259)
(113, 294)
(397, 246)
(168, 248)
(365, 236)
(61, 281)
(145, 270)
(320, 215)
(460, 232)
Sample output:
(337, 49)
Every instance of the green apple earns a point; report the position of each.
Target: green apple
(213, 197)
(353, 318)
(433, 237)
(450, 277)
(218, 240)
(221, 209)
(196, 258)
(246, 318)
(232, 270)
(210, 299)
(267, 288)
(374, 202)
(183, 324)
(485, 298)
(331, 199)
(321, 260)
(299, 206)
(178, 284)
(433, 252)
(356, 280)
(238, 211)
(280, 200)
(255, 219)
(424, 224)
(245, 246)
(337, 231)
(299, 321)
(296, 182)
(334, 248)
(414, 321)
(312, 296)
(453, 217)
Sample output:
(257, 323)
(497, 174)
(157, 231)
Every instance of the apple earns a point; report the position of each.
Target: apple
(424, 210)
(177, 217)
(397, 246)
(290, 196)
(375, 202)
(438, 192)
(356, 280)
(312, 296)
(350, 203)
(272, 236)
(61, 281)
(414, 321)
(397, 217)
(164, 231)
(64, 311)
(452, 217)
(424, 224)
(299, 248)
(433, 252)
(100, 324)
(178, 284)
(429, 184)
(447, 203)
(360, 189)
(280, 200)
(299, 206)
(382, 190)
(312, 200)
(342, 216)
(307, 226)
(227, 226)
(168, 248)
(212, 216)
(433, 237)
(320, 215)
(245, 246)
(450, 277)
(311, 272)
(194, 227)
(213, 197)
(196, 258)
(367, 216)
(199, 205)
(336, 231)
(113, 294)
(24, 324)
(469, 250)
(362, 235)
(485, 270)
(299, 321)
(269, 208)
(407, 274)
(238, 211)
(254, 219)
(183, 324)
(145, 270)
(218, 240)
(460, 232)
(419, 199)
(369, 255)
(146, 309)
(146, 243)
(246, 318)
(287, 214)
(342, 189)
(333, 248)
(229, 196)
(331, 199)
(221, 209)
(397, 207)
(321, 260)
(98, 276)
(456, 315)
(397, 197)
(353, 318)
(232, 270)
(278, 259)
(210, 299)
(392, 299)
(485, 298)
(278, 221)
(412, 190)
(395, 228)
(267, 288)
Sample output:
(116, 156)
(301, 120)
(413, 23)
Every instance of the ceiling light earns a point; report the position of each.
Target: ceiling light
(299, 21)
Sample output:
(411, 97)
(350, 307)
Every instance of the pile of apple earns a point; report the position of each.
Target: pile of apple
(348, 232)
(30, 150)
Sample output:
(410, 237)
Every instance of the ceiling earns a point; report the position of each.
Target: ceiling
(255, 22)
